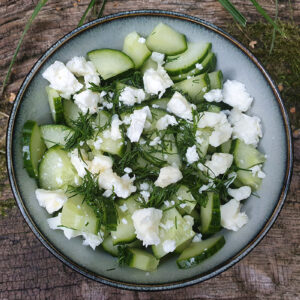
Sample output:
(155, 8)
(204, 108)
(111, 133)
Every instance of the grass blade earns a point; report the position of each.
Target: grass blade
(90, 6)
(237, 15)
(38, 7)
(266, 16)
(274, 30)
(102, 9)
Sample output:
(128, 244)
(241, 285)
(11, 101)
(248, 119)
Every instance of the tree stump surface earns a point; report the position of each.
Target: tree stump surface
(29, 271)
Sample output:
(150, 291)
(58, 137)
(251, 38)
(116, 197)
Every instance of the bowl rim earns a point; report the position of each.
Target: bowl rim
(169, 285)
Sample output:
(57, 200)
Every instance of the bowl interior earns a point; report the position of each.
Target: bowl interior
(235, 64)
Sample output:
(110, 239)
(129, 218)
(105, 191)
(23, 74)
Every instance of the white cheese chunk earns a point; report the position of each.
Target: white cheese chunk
(191, 154)
(218, 121)
(155, 141)
(130, 96)
(144, 186)
(115, 132)
(51, 200)
(156, 81)
(145, 195)
(167, 176)
(241, 193)
(214, 95)
(92, 240)
(180, 107)
(197, 238)
(236, 95)
(256, 171)
(80, 67)
(100, 163)
(142, 40)
(246, 128)
(79, 164)
(122, 186)
(231, 217)
(62, 80)
(219, 164)
(165, 121)
(138, 119)
(87, 101)
(199, 66)
(158, 57)
(169, 246)
(91, 78)
(146, 223)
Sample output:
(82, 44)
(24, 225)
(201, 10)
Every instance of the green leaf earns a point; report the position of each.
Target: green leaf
(266, 16)
(102, 8)
(38, 7)
(237, 15)
(90, 6)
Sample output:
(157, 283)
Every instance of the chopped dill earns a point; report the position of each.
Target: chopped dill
(124, 256)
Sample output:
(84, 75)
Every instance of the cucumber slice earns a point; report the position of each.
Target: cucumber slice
(149, 64)
(194, 87)
(71, 112)
(211, 215)
(110, 62)
(56, 105)
(103, 118)
(166, 40)
(137, 51)
(247, 178)
(214, 108)
(55, 134)
(246, 156)
(140, 259)
(108, 246)
(77, 215)
(33, 147)
(125, 232)
(200, 251)
(208, 65)
(180, 231)
(183, 246)
(184, 200)
(187, 60)
(161, 103)
(225, 147)
(56, 170)
(216, 80)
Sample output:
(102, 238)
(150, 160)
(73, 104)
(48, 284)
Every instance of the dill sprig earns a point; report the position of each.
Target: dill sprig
(135, 79)
(104, 207)
(124, 256)
(83, 131)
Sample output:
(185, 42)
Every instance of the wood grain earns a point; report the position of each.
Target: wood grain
(29, 271)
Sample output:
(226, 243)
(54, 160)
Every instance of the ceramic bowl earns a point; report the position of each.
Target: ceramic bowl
(236, 62)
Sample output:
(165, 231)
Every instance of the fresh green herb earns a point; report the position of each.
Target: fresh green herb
(135, 79)
(176, 222)
(98, 89)
(236, 14)
(100, 14)
(38, 7)
(124, 256)
(104, 207)
(83, 131)
(90, 6)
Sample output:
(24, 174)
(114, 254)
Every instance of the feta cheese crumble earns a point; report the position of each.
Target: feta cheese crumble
(231, 217)
(158, 57)
(197, 238)
(256, 171)
(146, 223)
(142, 40)
(180, 107)
(214, 95)
(100, 163)
(130, 96)
(199, 66)
(169, 246)
(167, 176)
(80, 67)
(165, 121)
(241, 193)
(236, 95)
(156, 81)
(79, 164)
(219, 164)
(51, 200)
(115, 132)
(87, 101)
(62, 80)
(138, 119)
(191, 154)
(246, 128)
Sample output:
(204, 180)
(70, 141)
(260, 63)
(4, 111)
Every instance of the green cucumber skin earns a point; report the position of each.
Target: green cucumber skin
(216, 80)
(59, 111)
(28, 130)
(193, 261)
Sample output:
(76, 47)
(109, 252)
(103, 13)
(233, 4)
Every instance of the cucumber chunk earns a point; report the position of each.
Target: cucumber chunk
(55, 134)
(187, 60)
(33, 147)
(125, 232)
(184, 200)
(161, 103)
(194, 87)
(203, 135)
(56, 170)
(56, 105)
(140, 259)
(200, 251)
(77, 215)
(211, 214)
(166, 40)
(225, 147)
(149, 64)
(216, 80)
(110, 62)
(247, 178)
(246, 156)
(180, 231)
(137, 51)
(71, 112)
(208, 65)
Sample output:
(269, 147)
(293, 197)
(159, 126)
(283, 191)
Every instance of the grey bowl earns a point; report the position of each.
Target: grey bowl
(236, 62)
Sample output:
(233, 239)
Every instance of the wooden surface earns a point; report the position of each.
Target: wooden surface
(29, 271)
